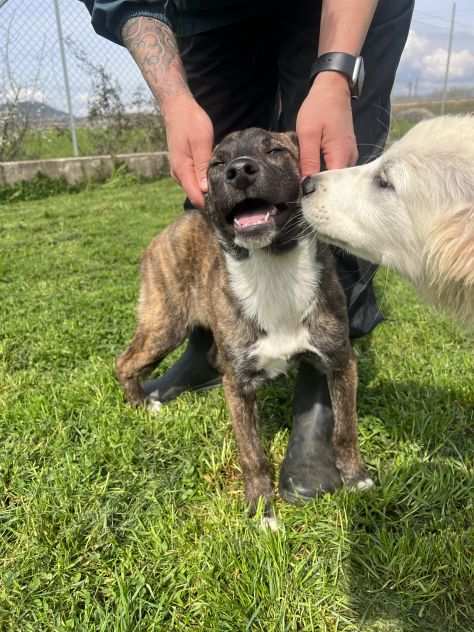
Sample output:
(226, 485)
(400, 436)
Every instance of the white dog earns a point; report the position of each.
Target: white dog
(411, 209)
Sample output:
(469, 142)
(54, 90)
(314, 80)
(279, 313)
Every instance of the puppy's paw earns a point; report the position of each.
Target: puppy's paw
(361, 483)
(269, 523)
(153, 405)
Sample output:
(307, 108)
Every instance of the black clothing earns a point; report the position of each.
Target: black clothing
(248, 64)
(255, 74)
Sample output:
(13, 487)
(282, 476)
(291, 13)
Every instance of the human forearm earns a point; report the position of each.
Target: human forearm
(344, 25)
(153, 46)
(189, 130)
(324, 123)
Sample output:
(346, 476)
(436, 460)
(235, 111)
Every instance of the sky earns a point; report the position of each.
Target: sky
(29, 43)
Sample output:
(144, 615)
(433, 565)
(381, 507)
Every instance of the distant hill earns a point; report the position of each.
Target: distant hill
(38, 112)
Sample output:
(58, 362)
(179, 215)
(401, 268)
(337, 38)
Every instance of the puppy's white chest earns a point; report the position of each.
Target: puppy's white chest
(274, 351)
(277, 292)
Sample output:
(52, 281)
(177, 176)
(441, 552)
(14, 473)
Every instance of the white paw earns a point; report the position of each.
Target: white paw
(269, 523)
(365, 484)
(154, 406)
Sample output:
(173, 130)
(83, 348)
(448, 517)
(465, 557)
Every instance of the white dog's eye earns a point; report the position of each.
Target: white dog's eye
(276, 150)
(383, 182)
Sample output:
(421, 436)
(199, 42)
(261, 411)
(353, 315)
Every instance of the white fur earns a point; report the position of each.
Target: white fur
(365, 485)
(277, 292)
(269, 524)
(154, 405)
(423, 226)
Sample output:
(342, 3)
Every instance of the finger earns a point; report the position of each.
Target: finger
(336, 159)
(341, 155)
(202, 151)
(310, 147)
(186, 177)
(354, 157)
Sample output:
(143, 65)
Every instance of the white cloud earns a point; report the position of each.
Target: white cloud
(416, 47)
(425, 61)
(461, 67)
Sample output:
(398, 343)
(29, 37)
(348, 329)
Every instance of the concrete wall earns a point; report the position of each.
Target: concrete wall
(88, 168)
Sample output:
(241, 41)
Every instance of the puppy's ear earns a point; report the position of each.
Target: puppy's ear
(291, 141)
(293, 138)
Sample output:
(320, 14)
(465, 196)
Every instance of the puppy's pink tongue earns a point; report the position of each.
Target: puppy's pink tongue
(253, 218)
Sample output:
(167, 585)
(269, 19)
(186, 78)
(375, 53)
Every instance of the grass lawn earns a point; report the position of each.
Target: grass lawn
(112, 519)
(56, 143)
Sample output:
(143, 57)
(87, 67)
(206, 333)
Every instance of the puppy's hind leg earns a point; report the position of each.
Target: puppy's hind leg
(149, 346)
(255, 468)
(343, 390)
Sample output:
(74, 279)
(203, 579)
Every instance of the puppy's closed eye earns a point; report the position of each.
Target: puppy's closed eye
(277, 150)
(215, 164)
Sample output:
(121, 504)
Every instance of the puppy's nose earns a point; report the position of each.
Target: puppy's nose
(309, 185)
(242, 172)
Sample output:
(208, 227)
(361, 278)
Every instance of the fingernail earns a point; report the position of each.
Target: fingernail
(203, 184)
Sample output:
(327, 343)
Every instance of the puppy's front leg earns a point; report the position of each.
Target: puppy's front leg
(255, 468)
(343, 390)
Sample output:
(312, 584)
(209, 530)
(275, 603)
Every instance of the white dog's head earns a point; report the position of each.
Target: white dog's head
(411, 209)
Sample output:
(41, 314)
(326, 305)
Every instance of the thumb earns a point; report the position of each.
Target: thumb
(310, 160)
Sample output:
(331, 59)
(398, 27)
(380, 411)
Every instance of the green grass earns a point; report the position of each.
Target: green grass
(56, 142)
(453, 105)
(112, 519)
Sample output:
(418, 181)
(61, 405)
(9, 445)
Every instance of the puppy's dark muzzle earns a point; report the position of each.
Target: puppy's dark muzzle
(242, 172)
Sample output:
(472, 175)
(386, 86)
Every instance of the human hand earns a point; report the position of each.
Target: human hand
(324, 125)
(190, 136)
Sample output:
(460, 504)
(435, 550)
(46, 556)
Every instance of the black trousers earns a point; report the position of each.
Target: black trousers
(254, 73)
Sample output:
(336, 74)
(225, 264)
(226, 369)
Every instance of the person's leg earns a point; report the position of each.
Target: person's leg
(381, 52)
(232, 73)
(309, 464)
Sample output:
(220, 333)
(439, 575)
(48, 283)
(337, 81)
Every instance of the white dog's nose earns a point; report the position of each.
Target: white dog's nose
(308, 185)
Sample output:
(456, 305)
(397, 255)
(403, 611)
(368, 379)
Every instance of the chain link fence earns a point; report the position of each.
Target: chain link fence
(110, 106)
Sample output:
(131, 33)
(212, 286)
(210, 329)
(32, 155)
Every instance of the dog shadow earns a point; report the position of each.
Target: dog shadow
(417, 522)
(408, 564)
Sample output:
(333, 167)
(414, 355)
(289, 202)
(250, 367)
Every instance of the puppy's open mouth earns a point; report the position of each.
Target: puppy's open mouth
(254, 214)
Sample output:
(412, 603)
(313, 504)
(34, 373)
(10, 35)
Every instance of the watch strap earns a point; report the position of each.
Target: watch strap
(340, 62)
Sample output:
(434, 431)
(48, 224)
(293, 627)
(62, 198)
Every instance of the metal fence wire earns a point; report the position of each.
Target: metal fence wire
(64, 90)
(57, 75)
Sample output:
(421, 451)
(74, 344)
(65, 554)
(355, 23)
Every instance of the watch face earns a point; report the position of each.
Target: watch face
(358, 77)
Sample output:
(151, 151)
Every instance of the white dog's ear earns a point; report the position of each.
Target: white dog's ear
(449, 255)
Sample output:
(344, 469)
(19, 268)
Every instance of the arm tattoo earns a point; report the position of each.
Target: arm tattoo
(153, 46)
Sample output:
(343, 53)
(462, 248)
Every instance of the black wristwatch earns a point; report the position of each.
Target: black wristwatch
(348, 65)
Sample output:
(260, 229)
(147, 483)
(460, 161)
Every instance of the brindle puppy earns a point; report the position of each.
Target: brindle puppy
(244, 269)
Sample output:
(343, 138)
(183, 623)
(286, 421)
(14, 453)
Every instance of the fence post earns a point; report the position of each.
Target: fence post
(72, 124)
(448, 60)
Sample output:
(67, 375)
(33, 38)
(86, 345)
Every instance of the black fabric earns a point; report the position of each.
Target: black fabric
(109, 16)
(256, 73)
(203, 6)
(184, 17)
